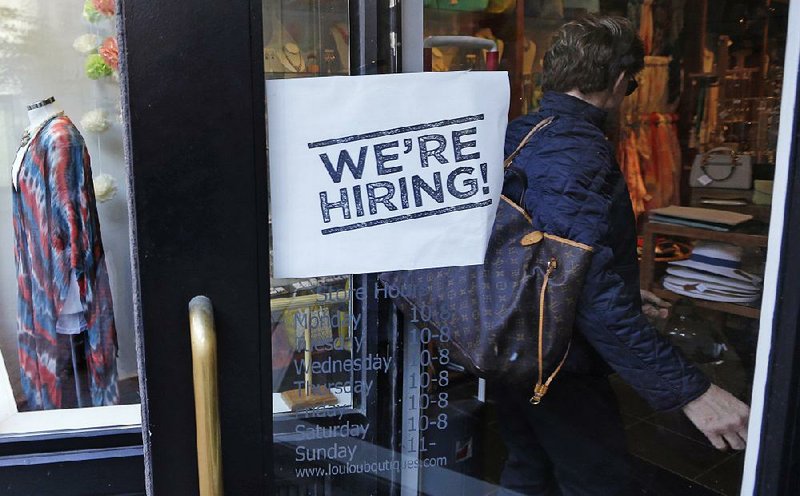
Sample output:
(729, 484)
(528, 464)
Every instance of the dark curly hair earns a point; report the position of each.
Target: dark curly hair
(589, 54)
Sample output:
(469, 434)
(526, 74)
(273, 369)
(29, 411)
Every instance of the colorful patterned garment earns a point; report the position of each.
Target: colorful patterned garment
(57, 233)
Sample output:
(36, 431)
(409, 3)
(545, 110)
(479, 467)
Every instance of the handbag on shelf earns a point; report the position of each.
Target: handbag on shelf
(510, 319)
(464, 5)
(722, 168)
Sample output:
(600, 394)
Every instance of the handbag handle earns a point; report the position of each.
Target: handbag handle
(538, 127)
(734, 162)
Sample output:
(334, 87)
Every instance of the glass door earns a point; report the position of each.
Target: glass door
(325, 388)
(705, 84)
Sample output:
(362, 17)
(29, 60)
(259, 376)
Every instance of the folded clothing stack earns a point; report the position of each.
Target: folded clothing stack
(703, 218)
(713, 272)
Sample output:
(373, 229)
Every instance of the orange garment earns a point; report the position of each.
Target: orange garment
(629, 164)
(677, 159)
(650, 158)
(664, 159)
(648, 162)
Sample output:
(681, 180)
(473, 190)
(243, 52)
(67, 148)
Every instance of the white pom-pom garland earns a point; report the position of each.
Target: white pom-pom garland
(105, 187)
(86, 43)
(95, 121)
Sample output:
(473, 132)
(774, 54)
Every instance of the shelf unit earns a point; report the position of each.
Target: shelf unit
(648, 263)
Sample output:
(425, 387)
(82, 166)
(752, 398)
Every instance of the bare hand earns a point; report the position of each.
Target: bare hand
(721, 417)
(653, 307)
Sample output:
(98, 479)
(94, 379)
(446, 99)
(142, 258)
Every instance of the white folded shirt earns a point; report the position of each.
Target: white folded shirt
(72, 320)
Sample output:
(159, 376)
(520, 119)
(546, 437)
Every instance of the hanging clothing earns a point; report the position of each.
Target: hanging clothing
(628, 157)
(650, 157)
(57, 235)
(677, 158)
(649, 162)
(664, 158)
(652, 95)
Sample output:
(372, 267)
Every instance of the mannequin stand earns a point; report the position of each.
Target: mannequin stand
(78, 394)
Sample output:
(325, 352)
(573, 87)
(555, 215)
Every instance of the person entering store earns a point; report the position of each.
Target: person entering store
(573, 442)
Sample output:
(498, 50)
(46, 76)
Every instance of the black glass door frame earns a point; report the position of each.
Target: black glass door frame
(194, 97)
(777, 469)
(193, 82)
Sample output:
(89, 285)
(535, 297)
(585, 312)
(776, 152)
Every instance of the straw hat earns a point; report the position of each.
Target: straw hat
(703, 286)
(696, 276)
(710, 294)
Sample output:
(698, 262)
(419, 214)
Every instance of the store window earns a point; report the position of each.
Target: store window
(66, 316)
(699, 131)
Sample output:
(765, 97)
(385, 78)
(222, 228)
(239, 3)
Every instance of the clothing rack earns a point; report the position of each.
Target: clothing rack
(650, 159)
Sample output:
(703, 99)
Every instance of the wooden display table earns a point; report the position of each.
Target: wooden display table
(648, 264)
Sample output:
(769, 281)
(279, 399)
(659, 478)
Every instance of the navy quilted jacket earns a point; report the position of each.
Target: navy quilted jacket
(576, 190)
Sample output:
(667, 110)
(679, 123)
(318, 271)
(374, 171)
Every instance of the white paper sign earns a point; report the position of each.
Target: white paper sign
(385, 172)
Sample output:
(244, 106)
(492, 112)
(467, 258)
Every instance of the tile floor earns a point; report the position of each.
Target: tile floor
(671, 457)
(670, 441)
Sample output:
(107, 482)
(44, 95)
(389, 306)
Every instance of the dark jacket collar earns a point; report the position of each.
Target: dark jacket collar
(563, 104)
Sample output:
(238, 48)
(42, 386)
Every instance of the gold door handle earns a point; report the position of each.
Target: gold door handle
(206, 396)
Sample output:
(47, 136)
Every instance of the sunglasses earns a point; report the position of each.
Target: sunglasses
(632, 85)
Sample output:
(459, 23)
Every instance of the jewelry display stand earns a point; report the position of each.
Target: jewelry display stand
(310, 396)
(298, 47)
(282, 54)
(271, 62)
(291, 59)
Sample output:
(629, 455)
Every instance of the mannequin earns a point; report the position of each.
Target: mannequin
(38, 113)
(41, 110)
(63, 283)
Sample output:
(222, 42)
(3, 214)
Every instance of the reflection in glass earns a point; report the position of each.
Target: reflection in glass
(311, 340)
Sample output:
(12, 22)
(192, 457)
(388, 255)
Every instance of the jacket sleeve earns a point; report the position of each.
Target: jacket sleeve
(572, 198)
